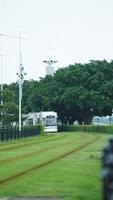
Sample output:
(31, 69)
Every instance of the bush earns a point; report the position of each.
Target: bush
(88, 128)
(38, 127)
(41, 129)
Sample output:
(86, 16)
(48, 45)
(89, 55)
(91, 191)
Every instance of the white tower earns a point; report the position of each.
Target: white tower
(49, 66)
(49, 63)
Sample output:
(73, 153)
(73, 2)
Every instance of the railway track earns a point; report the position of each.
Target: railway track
(46, 163)
(31, 154)
(32, 143)
(6, 145)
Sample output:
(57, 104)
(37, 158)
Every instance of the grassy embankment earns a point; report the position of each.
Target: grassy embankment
(39, 166)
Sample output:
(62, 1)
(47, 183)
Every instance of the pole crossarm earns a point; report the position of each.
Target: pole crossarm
(11, 36)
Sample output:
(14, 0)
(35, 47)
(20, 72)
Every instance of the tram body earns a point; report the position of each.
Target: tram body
(49, 120)
(46, 118)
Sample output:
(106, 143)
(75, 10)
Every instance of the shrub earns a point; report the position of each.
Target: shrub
(88, 128)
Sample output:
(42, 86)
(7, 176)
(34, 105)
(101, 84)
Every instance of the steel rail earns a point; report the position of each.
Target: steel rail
(29, 144)
(46, 163)
(31, 154)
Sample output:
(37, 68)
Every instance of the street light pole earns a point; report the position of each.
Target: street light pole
(20, 83)
(21, 80)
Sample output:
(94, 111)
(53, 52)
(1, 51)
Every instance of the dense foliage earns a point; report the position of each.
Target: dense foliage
(77, 92)
(107, 129)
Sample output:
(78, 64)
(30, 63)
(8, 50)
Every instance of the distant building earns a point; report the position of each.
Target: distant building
(105, 120)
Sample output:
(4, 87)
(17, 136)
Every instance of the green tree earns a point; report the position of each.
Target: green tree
(9, 110)
(77, 92)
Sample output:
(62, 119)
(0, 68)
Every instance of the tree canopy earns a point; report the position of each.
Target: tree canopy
(77, 92)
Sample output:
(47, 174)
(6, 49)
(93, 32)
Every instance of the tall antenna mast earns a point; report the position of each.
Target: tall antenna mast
(49, 51)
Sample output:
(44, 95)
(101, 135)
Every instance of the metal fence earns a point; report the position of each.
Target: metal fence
(13, 133)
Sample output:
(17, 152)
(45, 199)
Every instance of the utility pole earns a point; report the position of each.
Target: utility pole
(1, 102)
(20, 73)
(1, 55)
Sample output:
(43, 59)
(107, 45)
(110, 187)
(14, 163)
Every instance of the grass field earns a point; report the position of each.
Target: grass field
(64, 165)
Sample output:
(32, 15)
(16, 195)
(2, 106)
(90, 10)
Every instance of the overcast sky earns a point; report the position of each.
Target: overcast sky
(78, 31)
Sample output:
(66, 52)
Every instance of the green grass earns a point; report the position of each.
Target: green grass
(74, 177)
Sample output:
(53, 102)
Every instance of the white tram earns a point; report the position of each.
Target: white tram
(47, 118)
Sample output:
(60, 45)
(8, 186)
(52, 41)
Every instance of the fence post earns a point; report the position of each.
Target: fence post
(107, 164)
(12, 133)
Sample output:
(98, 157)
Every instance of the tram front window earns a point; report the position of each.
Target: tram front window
(50, 121)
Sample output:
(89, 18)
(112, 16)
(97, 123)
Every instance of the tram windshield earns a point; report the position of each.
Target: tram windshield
(51, 121)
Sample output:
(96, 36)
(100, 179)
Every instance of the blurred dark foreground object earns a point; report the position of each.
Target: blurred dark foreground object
(107, 171)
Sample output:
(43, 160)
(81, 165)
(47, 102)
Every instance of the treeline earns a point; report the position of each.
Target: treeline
(77, 92)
